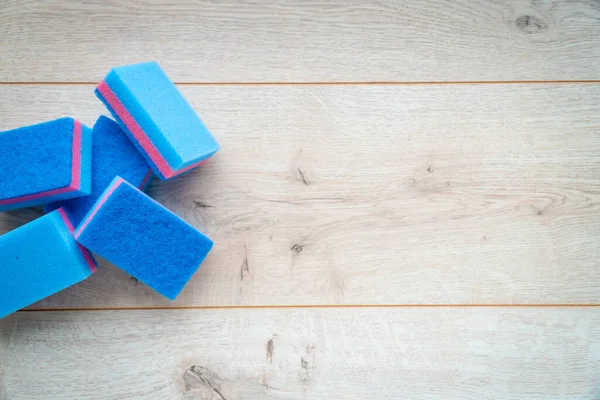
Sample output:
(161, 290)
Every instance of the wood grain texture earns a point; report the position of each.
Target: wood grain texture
(466, 354)
(372, 195)
(289, 40)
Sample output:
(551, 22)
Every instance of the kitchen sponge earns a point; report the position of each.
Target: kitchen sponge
(140, 236)
(157, 118)
(112, 154)
(39, 259)
(45, 162)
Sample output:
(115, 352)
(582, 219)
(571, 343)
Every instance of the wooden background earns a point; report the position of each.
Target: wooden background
(406, 204)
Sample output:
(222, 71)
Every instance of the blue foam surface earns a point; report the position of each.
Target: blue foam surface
(38, 158)
(143, 238)
(37, 260)
(113, 155)
(163, 113)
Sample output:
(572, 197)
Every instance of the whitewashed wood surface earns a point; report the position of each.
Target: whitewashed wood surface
(295, 40)
(391, 195)
(386, 353)
(373, 195)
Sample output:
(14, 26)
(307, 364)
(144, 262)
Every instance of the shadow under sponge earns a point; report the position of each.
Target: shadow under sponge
(138, 235)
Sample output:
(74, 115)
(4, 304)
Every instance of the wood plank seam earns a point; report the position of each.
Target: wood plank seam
(310, 306)
(332, 83)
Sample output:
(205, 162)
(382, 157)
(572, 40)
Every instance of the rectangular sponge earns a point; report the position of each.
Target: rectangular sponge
(45, 162)
(143, 238)
(39, 259)
(113, 155)
(157, 118)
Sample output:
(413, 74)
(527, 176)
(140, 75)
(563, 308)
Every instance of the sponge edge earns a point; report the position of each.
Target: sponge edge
(113, 154)
(87, 255)
(143, 238)
(39, 259)
(157, 118)
(48, 162)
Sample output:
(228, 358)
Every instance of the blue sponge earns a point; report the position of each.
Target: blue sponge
(137, 234)
(39, 259)
(113, 155)
(157, 118)
(45, 162)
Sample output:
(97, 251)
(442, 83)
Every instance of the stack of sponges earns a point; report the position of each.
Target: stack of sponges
(91, 182)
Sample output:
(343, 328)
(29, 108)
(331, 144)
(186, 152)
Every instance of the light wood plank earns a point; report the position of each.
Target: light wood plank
(289, 40)
(437, 194)
(422, 353)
